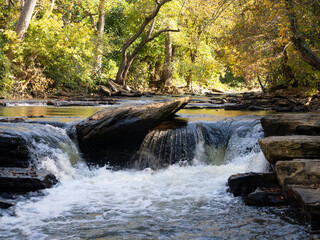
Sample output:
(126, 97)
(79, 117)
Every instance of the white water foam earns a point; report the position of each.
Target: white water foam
(179, 202)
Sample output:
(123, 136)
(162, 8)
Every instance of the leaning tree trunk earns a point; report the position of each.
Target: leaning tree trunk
(305, 53)
(25, 18)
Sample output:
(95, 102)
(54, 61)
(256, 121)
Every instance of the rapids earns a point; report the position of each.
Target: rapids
(187, 200)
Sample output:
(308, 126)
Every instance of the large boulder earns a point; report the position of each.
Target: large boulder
(293, 123)
(18, 139)
(22, 180)
(266, 197)
(300, 182)
(242, 184)
(279, 148)
(306, 198)
(114, 135)
(13, 148)
(298, 172)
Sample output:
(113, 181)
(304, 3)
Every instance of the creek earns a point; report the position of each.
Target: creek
(187, 200)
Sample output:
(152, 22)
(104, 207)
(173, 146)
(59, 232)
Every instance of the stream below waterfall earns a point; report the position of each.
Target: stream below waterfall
(187, 200)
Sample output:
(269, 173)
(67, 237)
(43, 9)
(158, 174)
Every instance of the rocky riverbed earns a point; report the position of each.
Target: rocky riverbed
(249, 101)
(291, 145)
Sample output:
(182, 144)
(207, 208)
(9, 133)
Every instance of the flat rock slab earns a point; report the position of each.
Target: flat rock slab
(298, 172)
(22, 180)
(279, 148)
(293, 123)
(113, 135)
(306, 198)
(243, 184)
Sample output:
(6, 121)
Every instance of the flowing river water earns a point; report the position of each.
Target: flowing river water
(181, 201)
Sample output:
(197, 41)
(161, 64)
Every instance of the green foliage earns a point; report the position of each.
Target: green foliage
(5, 78)
(66, 52)
(231, 80)
(251, 37)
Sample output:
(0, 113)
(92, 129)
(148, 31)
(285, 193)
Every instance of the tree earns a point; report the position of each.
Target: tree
(100, 31)
(170, 52)
(25, 18)
(298, 41)
(127, 59)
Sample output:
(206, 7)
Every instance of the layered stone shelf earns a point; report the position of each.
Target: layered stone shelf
(292, 143)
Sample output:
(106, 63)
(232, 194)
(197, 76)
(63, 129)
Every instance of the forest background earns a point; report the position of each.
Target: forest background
(49, 45)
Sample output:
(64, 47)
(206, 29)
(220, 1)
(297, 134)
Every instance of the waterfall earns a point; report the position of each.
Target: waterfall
(41, 146)
(213, 143)
(187, 200)
(53, 150)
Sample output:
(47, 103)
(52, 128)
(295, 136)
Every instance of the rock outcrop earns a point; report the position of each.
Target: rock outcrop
(300, 181)
(276, 148)
(243, 184)
(293, 145)
(22, 180)
(113, 135)
(13, 150)
(258, 189)
(266, 197)
(289, 124)
(298, 172)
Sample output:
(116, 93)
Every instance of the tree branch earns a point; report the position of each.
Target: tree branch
(148, 19)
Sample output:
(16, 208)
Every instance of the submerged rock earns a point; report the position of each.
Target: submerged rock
(21, 180)
(114, 135)
(288, 124)
(243, 184)
(266, 197)
(5, 204)
(278, 148)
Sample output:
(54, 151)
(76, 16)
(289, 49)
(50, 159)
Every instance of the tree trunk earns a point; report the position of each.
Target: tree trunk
(305, 53)
(166, 77)
(193, 56)
(287, 72)
(127, 59)
(100, 31)
(25, 18)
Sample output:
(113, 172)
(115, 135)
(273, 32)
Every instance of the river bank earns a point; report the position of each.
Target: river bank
(247, 101)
